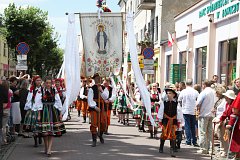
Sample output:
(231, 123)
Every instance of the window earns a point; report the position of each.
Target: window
(168, 67)
(5, 50)
(182, 65)
(156, 30)
(228, 57)
(201, 59)
(152, 30)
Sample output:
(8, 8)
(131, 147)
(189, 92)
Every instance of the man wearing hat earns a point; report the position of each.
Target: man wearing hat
(97, 94)
(222, 119)
(169, 119)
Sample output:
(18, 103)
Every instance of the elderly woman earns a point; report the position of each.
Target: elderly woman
(218, 110)
(222, 119)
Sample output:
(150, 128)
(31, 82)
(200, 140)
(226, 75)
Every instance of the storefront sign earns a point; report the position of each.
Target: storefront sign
(228, 7)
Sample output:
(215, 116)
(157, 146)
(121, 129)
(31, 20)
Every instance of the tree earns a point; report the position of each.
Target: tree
(30, 25)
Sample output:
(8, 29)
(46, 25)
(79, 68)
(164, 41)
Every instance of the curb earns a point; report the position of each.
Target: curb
(10, 149)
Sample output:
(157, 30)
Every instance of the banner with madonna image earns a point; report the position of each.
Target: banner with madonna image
(102, 43)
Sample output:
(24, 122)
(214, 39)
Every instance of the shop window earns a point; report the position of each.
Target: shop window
(182, 65)
(228, 57)
(201, 58)
(168, 67)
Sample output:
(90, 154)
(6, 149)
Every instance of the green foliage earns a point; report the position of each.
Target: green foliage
(30, 25)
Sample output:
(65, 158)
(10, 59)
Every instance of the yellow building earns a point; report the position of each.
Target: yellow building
(4, 67)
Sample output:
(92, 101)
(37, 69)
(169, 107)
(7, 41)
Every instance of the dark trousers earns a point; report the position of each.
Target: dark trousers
(190, 122)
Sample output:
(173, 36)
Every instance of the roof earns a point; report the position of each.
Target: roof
(188, 8)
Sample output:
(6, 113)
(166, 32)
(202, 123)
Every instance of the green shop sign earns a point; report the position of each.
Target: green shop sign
(220, 4)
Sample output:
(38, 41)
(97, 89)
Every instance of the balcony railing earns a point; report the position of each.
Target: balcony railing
(147, 4)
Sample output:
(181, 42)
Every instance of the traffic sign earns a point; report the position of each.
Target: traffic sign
(148, 61)
(148, 53)
(147, 71)
(22, 48)
(148, 67)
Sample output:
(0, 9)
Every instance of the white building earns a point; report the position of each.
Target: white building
(154, 17)
(206, 43)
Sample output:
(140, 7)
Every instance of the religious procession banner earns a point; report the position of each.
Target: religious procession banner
(102, 43)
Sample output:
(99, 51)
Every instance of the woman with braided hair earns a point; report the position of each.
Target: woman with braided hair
(33, 104)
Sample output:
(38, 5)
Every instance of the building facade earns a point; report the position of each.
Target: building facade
(207, 43)
(153, 19)
(4, 67)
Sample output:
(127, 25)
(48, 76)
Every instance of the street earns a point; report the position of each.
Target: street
(123, 143)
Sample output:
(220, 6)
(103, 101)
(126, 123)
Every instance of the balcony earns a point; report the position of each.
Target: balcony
(147, 4)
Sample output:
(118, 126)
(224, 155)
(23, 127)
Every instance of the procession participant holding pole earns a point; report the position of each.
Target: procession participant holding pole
(96, 97)
(169, 119)
(109, 102)
(83, 99)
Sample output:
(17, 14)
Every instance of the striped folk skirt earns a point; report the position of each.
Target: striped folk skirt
(30, 121)
(50, 124)
(154, 113)
(138, 113)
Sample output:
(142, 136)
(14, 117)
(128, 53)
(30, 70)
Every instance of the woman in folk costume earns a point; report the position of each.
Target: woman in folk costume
(138, 114)
(169, 119)
(222, 120)
(60, 89)
(50, 116)
(122, 108)
(115, 104)
(33, 104)
(234, 127)
(155, 101)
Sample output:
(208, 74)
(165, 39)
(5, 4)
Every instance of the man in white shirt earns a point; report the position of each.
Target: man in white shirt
(96, 97)
(187, 100)
(205, 104)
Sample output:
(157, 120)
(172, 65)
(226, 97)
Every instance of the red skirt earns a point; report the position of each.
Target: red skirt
(235, 145)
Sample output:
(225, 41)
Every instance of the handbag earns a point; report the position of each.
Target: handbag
(16, 113)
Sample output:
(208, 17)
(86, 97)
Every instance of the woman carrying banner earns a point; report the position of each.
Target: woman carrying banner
(169, 119)
(33, 104)
(50, 116)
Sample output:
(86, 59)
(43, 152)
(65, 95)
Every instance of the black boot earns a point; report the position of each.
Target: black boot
(84, 119)
(173, 148)
(40, 140)
(94, 140)
(139, 128)
(128, 122)
(151, 134)
(106, 131)
(155, 133)
(124, 122)
(143, 126)
(101, 137)
(35, 141)
(161, 146)
(79, 113)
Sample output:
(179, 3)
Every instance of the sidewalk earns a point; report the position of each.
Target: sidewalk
(123, 143)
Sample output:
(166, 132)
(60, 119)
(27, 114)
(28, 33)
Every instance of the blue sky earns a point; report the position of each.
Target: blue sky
(57, 8)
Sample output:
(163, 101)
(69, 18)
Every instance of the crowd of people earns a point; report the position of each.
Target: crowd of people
(199, 114)
(31, 107)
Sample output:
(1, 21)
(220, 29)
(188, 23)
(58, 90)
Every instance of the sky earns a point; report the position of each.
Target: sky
(56, 11)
